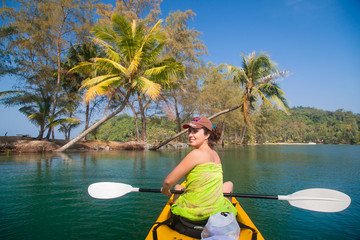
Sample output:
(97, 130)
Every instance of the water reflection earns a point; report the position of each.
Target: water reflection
(47, 193)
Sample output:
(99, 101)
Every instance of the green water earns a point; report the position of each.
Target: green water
(45, 196)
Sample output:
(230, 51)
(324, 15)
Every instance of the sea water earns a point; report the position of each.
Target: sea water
(45, 196)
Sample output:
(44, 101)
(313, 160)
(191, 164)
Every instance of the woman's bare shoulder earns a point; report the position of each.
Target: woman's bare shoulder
(198, 156)
(194, 155)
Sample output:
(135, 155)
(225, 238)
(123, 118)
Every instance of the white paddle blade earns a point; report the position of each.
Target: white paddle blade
(109, 190)
(319, 199)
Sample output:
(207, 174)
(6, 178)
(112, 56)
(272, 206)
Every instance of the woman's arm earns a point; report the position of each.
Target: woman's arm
(188, 163)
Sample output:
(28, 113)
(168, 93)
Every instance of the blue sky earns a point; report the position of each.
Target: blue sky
(317, 40)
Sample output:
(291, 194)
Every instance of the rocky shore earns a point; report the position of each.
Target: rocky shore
(31, 145)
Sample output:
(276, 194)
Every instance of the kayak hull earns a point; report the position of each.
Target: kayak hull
(165, 232)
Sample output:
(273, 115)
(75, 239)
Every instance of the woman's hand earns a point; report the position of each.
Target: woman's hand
(166, 191)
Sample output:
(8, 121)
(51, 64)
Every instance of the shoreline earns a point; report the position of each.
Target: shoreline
(25, 144)
(285, 143)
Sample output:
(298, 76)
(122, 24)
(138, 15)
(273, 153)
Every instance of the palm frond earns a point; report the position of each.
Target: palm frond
(82, 67)
(73, 121)
(154, 71)
(262, 96)
(97, 80)
(154, 35)
(102, 88)
(245, 62)
(239, 75)
(33, 115)
(275, 94)
(104, 33)
(281, 102)
(106, 63)
(270, 89)
(151, 55)
(167, 72)
(260, 66)
(133, 28)
(108, 49)
(273, 76)
(148, 87)
(135, 62)
(121, 25)
(4, 93)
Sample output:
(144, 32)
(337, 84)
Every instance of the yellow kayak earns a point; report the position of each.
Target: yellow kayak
(165, 232)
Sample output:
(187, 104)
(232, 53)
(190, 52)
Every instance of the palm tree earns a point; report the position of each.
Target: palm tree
(77, 54)
(37, 109)
(258, 76)
(132, 63)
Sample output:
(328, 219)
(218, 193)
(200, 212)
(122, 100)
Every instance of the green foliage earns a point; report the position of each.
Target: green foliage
(34, 39)
(133, 60)
(308, 125)
(269, 125)
(160, 129)
(122, 128)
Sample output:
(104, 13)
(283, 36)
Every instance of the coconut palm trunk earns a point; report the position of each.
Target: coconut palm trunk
(95, 125)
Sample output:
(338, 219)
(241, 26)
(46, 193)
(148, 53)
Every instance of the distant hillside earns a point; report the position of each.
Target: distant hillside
(305, 124)
(313, 125)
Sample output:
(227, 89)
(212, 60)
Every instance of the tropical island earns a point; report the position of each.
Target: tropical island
(303, 126)
(88, 60)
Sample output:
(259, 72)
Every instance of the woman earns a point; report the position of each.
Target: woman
(203, 195)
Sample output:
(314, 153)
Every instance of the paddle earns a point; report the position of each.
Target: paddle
(315, 199)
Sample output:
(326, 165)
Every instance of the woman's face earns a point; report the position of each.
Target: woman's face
(197, 137)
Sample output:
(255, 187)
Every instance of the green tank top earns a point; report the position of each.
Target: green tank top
(203, 195)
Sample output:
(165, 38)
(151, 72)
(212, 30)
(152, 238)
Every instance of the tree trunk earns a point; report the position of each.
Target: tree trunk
(67, 134)
(87, 117)
(143, 126)
(222, 134)
(48, 134)
(184, 131)
(243, 135)
(236, 136)
(143, 119)
(96, 125)
(136, 126)
(178, 120)
(41, 133)
(68, 130)
(58, 48)
(136, 121)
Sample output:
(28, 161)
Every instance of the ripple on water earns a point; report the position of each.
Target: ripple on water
(48, 197)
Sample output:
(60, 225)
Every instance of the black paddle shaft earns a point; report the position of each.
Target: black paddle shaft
(242, 195)
(225, 194)
(158, 190)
